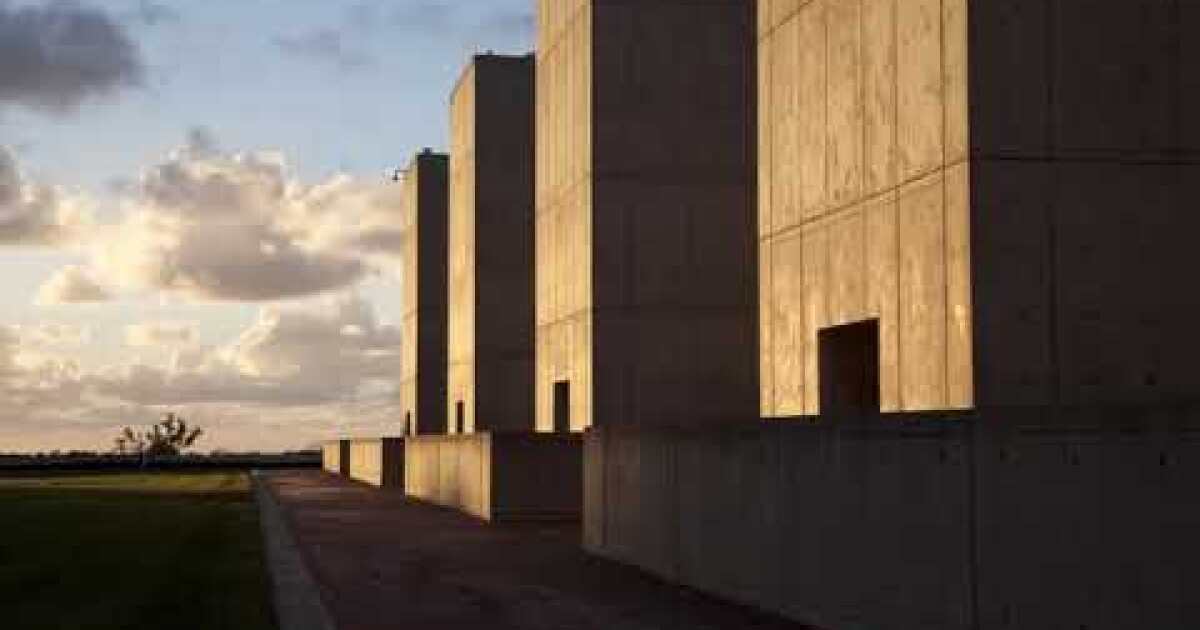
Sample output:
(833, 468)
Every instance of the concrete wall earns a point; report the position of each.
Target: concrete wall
(863, 196)
(1005, 186)
(490, 360)
(423, 325)
(934, 523)
(497, 476)
(645, 255)
(377, 461)
(331, 457)
(1093, 144)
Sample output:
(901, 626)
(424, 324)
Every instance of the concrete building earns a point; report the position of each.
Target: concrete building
(974, 216)
(644, 215)
(490, 378)
(893, 164)
(423, 327)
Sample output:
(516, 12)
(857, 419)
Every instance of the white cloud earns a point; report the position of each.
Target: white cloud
(71, 285)
(288, 357)
(33, 214)
(158, 334)
(213, 226)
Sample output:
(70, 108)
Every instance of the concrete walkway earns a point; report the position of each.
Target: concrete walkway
(380, 561)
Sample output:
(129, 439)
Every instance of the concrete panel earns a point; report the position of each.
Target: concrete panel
(920, 90)
(782, 127)
(1008, 40)
(534, 476)
(1011, 277)
(960, 366)
(845, 109)
(955, 65)
(922, 295)
(766, 352)
(847, 268)
(879, 86)
(366, 461)
(787, 332)
(883, 293)
(331, 454)
(811, 88)
(816, 312)
(1113, 73)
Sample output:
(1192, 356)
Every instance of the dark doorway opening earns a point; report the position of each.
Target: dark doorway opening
(849, 364)
(409, 429)
(460, 417)
(562, 407)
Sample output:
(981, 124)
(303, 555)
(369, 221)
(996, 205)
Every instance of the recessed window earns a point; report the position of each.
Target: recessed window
(562, 407)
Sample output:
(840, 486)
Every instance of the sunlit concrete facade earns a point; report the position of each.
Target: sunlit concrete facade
(423, 327)
(1000, 186)
(864, 196)
(490, 358)
(644, 213)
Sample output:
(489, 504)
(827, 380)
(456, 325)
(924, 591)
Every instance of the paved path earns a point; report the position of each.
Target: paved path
(382, 561)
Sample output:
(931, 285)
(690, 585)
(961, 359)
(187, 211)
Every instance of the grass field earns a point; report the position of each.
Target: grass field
(131, 552)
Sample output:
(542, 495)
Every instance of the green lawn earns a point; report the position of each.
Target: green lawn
(131, 552)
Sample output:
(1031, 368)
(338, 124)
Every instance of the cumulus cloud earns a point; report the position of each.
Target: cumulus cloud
(288, 357)
(56, 334)
(325, 45)
(33, 214)
(71, 285)
(159, 334)
(53, 57)
(214, 226)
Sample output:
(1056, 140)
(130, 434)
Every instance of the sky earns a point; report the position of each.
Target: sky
(197, 213)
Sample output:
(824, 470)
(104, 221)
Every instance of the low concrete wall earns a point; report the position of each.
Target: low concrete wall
(331, 457)
(378, 461)
(921, 523)
(497, 476)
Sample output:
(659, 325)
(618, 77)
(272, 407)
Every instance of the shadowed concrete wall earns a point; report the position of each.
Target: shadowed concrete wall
(970, 522)
(1004, 186)
(378, 461)
(645, 255)
(1085, 171)
(497, 476)
(491, 246)
(423, 327)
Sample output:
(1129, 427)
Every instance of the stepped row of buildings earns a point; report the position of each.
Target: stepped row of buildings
(871, 313)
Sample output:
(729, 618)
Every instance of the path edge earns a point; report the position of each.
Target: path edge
(297, 601)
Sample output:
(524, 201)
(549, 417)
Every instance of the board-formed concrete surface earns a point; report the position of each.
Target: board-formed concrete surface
(490, 357)
(423, 326)
(1007, 188)
(961, 522)
(498, 476)
(644, 219)
(381, 561)
(377, 461)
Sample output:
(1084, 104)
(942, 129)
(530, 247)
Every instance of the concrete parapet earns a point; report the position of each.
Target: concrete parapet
(335, 457)
(982, 520)
(378, 461)
(497, 476)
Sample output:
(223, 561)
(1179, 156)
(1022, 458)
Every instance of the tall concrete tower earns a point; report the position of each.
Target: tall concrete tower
(423, 327)
(490, 333)
(645, 219)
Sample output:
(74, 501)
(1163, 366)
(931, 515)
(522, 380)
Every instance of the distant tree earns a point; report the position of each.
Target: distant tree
(167, 438)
